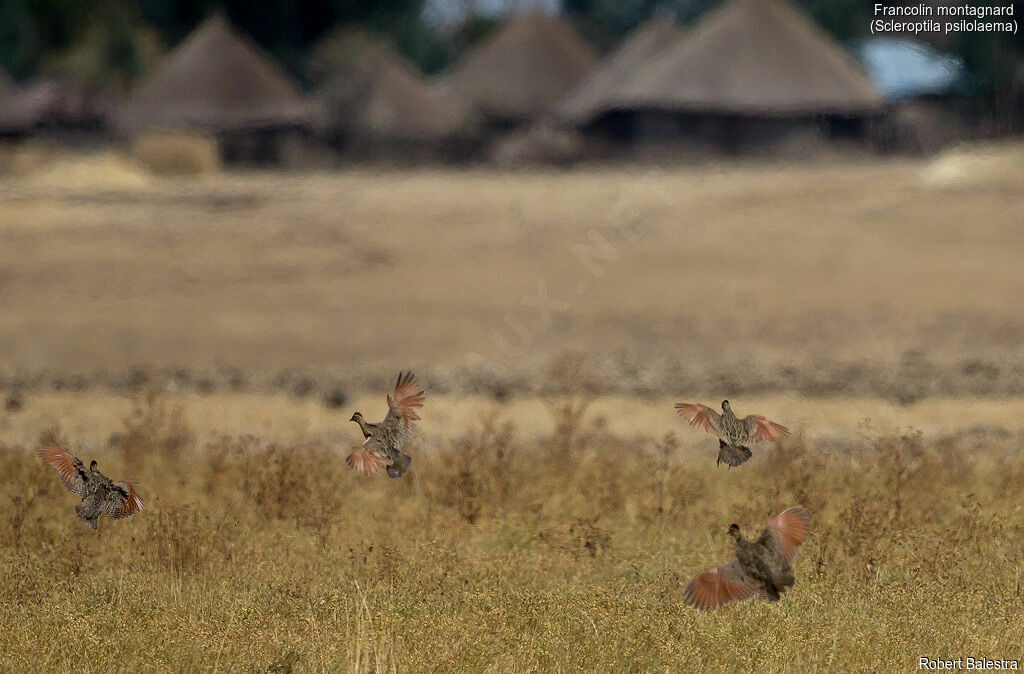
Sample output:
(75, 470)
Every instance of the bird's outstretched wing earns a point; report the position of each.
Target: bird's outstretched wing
(719, 585)
(123, 500)
(69, 468)
(701, 416)
(404, 402)
(365, 461)
(758, 428)
(787, 530)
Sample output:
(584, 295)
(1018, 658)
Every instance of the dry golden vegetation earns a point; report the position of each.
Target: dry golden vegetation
(94, 417)
(212, 335)
(867, 279)
(567, 551)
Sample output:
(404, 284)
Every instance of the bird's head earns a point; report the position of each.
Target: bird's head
(734, 531)
(358, 418)
(92, 465)
(725, 405)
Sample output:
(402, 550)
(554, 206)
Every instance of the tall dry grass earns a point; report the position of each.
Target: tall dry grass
(563, 553)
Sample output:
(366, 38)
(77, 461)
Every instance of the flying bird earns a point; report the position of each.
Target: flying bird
(100, 495)
(384, 441)
(761, 568)
(733, 433)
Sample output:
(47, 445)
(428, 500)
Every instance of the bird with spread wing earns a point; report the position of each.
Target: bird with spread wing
(100, 495)
(384, 441)
(733, 433)
(761, 568)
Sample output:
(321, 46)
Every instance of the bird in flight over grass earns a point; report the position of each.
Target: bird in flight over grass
(100, 495)
(761, 568)
(384, 441)
(733, 433)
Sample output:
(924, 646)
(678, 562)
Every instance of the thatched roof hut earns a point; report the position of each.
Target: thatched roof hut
(218, 80)
(381, 96)
(607, 87)
(16, 115)
(756, 58)
(523, 70)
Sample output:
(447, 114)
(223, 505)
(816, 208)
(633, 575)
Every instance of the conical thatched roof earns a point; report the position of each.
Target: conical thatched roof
(762, 57)
(524, 69)
(381, 95)
(217, 79)
(15, 113)
(606, 88)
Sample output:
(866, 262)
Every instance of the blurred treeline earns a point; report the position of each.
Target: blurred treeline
(109, 43)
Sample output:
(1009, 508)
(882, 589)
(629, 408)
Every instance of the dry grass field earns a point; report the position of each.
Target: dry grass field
(859, 278)
(187, 332)
(565, 551)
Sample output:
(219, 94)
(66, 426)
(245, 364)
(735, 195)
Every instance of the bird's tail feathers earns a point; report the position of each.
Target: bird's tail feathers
(400, 467)
(732, 455)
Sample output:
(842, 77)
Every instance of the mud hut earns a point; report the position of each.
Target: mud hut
(219, 81)
(65, 109)
(602, 99)
(379, 105)
(752, 72)
(521, 73)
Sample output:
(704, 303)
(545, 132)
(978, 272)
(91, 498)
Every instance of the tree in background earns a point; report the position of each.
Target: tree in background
(112, 49)
(288, 29)
(78, 39)
(997, 72)
(31, 28)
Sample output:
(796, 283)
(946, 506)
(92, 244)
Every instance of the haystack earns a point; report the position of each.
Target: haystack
(177, 152)
(87, 173)
(218, 80)
(607, 87)
(380, 96)
(757, 58)
(976, 164)
(523, 70)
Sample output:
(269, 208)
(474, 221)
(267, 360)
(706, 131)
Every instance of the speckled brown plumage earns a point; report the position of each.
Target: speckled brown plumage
(733, 433)
(384, 441)
(100, 495)
(761, 568)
